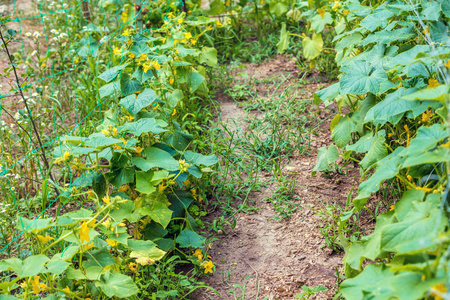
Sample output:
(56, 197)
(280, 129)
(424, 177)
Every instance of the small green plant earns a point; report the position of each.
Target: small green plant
(310, 291)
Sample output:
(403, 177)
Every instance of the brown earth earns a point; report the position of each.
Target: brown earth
(278, 256)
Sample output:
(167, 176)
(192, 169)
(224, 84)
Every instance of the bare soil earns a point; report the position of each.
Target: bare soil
(278, 256)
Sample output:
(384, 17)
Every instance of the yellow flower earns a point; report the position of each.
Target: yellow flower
(131, 55)
(209, 267)
(124, 16)
(133, 266)
(424, 188)
(143, 56)
(446, 145)
(336, 6)
(129, 42)
(66, 290)
(126, 32)
(198, 253)
(218, 23)
(432, 83)
(407, 135)
(84, 233)
(345, 12)
(111, 242)
(44, 239)
(174, 112)
(138, 149)
(194, 192)
(105, 132)
(161, 187)
(117, 51)
(193, 42)
(76, 60)
(163, 40)
(187, 35)
(447, 64)
(180, 20)
(146, 67)
(107, 223)
(321, 12)
(129, 118)
(37, 286)
(426, 116)
(392, 207)
(86, 247)
(107, 200)
(124, 188)
(66, 156)
(43, 65)
(438, 290)
(171, 80)
(156, 107)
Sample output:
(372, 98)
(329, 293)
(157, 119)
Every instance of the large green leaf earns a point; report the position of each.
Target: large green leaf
(342, 132)
(361, 78)
(318, 23)
(376, 152)
(439, 93)
(376, 19)
(327, 95)
(325, 158)
(143, 126)
(200, 159)
(156, 157)
(209, 56)
(112, 73)
(189, 238)
(278, 8)
(135, 104)
(283, 43)
(195, 79)
(114, 284)
(146, 181)
(32, 265)
(157, 207)
(312, 47)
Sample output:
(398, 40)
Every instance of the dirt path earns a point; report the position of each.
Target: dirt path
(280, 255)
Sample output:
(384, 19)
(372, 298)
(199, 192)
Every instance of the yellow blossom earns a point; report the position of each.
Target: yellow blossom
(37, 286)
(143, 56)
(117, 51)
(146, 67)
(193, 42)
(438, 290)
(105, 132)
(161, 187)
(114, 131)
(163, 40)
(447, 64)
(198, 253)
(156, 107)
(446, 145)
(392, 207)
(209, 267)
(407, 135)
(126, 32)
(106, 200)
(66, 290)
(44, 239)
(131, 55)
(426, 116)
(129, 42)
(432, 83)
(424, 188)
(124, 188)
(218, 23)
(187, 35)
(84, 233)
(124, 16)
(133, 266)
(138, 149)
(66, 156)
(321, 12)
(111, 242)
(180, 20)
(86, 247)
(171, 80)
(174, 112)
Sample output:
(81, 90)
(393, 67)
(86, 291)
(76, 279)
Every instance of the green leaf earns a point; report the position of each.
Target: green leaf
(34, 225)
(140, 245)
(108, 89)
(128, 85)
(147, 181)
(157, 207)
(216, 8)
(200, 159)
(325, 158)
(112, 73)
(363, 144)
(278, 8)
(342, 133)
(101, 141)
(376, 152)
(195, 79)
(438, 93)
(57, 265)
(432, 157)
(179, 139)
(189, 238)
(121, 177)
(135, 104)
(376, 19)
(174, 97)
(156, 157)
(147, 256)
(426, 139)
(101, 258)
(381, 283)
(283, 43)
(209, 56)
(318, 23)
(114, 284)
(126, 211)
(360, 78)
(312, 47)
(143, 126)
(32, 265)
(328, 94)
